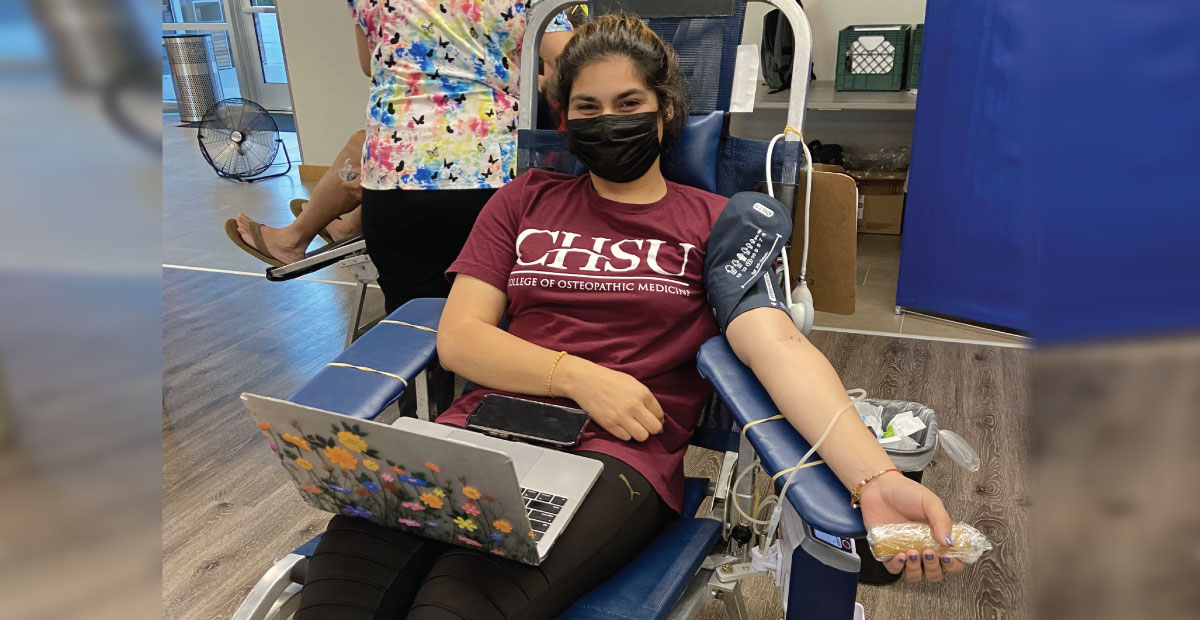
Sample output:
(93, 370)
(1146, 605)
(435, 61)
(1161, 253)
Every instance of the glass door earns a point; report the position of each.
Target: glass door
(203, 16)
(246, 42)
(258, 27)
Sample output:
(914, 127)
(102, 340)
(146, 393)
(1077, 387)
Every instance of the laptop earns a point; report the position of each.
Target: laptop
(432, 480)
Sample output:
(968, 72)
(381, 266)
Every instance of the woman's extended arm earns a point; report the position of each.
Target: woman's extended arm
(808, 392)
(470, 344)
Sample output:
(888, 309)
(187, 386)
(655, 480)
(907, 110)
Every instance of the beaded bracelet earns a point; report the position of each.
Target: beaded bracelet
(856, 492)
(550, 376)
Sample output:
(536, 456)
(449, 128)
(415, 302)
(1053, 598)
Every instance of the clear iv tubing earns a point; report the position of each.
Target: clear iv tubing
(737, 483)
(856, 395)
(807, 201)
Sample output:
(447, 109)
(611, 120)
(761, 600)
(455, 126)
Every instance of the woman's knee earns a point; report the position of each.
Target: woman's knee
(467, 584)
(353, 148)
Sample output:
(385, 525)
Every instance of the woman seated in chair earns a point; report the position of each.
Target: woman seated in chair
(608, 267)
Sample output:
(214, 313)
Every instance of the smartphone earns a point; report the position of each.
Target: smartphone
(527, 420)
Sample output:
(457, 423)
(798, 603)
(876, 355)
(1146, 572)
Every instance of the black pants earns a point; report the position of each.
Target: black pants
(364, 571)
(413, 236)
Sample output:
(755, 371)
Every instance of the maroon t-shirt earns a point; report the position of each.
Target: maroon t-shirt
(614, 283)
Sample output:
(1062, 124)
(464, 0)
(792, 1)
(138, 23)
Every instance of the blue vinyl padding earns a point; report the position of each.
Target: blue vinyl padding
(308, 548)
(694, 161)
(648, 587)
(818, 496)
(694, 492)
(396, 349)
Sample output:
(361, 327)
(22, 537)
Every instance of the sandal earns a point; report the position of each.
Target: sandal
(259, 250)
(297, 206)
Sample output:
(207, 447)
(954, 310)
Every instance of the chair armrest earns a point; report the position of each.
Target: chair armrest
(818, 496)
(319, 258)
(374, 371)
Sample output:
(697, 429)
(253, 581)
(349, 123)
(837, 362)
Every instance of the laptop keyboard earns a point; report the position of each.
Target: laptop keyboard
(542, 509)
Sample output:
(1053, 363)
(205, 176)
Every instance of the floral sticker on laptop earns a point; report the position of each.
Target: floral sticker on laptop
(340, 473)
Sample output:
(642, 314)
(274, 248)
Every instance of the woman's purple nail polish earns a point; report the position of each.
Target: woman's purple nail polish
(929, 557)
(903, 558)
(945, 559)
(913, 556)
(949, 541)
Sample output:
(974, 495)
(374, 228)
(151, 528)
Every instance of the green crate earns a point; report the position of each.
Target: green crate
(914, 57)
(872, 57)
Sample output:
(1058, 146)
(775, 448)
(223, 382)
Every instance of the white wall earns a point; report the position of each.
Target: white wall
(329, 91)
(828, 17)
(859, 131)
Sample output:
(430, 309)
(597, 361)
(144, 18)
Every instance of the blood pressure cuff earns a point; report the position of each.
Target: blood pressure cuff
(750, 233)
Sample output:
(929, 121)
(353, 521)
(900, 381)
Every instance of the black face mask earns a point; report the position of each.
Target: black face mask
(617, 147)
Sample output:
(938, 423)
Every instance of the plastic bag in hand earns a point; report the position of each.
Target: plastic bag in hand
(892, 539)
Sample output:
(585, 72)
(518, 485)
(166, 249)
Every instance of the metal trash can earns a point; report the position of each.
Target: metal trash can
(194, 71)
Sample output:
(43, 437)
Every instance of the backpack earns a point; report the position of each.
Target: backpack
(777, 51)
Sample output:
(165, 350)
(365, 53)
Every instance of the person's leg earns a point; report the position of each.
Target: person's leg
(329, 200)
(349, 225)
(413, 236)
(621, 515)
(364, 571)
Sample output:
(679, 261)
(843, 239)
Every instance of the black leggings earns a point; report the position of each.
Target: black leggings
(364, 571)
(414, 235)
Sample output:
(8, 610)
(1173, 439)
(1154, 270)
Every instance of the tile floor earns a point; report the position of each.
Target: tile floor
(196, 204)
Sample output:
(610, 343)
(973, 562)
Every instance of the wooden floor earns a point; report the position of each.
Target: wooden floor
(229, 513)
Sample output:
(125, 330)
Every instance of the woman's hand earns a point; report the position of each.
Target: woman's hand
(354, 188)
(892, 498)
(616, 401)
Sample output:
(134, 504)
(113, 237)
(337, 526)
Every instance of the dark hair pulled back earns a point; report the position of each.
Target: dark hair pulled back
(619, 35)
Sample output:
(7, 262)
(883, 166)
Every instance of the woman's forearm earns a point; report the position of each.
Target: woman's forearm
(492, 357)
(470, 344)
(807, 391)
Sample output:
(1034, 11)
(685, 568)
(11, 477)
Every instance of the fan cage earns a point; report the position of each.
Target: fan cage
(238, 138)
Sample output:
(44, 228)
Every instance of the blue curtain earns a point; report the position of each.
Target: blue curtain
(969, 241)
(1053, 183)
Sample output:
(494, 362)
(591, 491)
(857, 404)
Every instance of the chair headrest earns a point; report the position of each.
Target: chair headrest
(694, 161)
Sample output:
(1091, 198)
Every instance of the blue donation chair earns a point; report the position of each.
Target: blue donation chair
(693, 559)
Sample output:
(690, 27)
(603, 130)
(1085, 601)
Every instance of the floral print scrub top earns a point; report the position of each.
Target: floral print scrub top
(443, 107)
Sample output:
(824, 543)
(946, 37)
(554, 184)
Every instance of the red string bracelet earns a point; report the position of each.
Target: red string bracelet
(856, 492)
